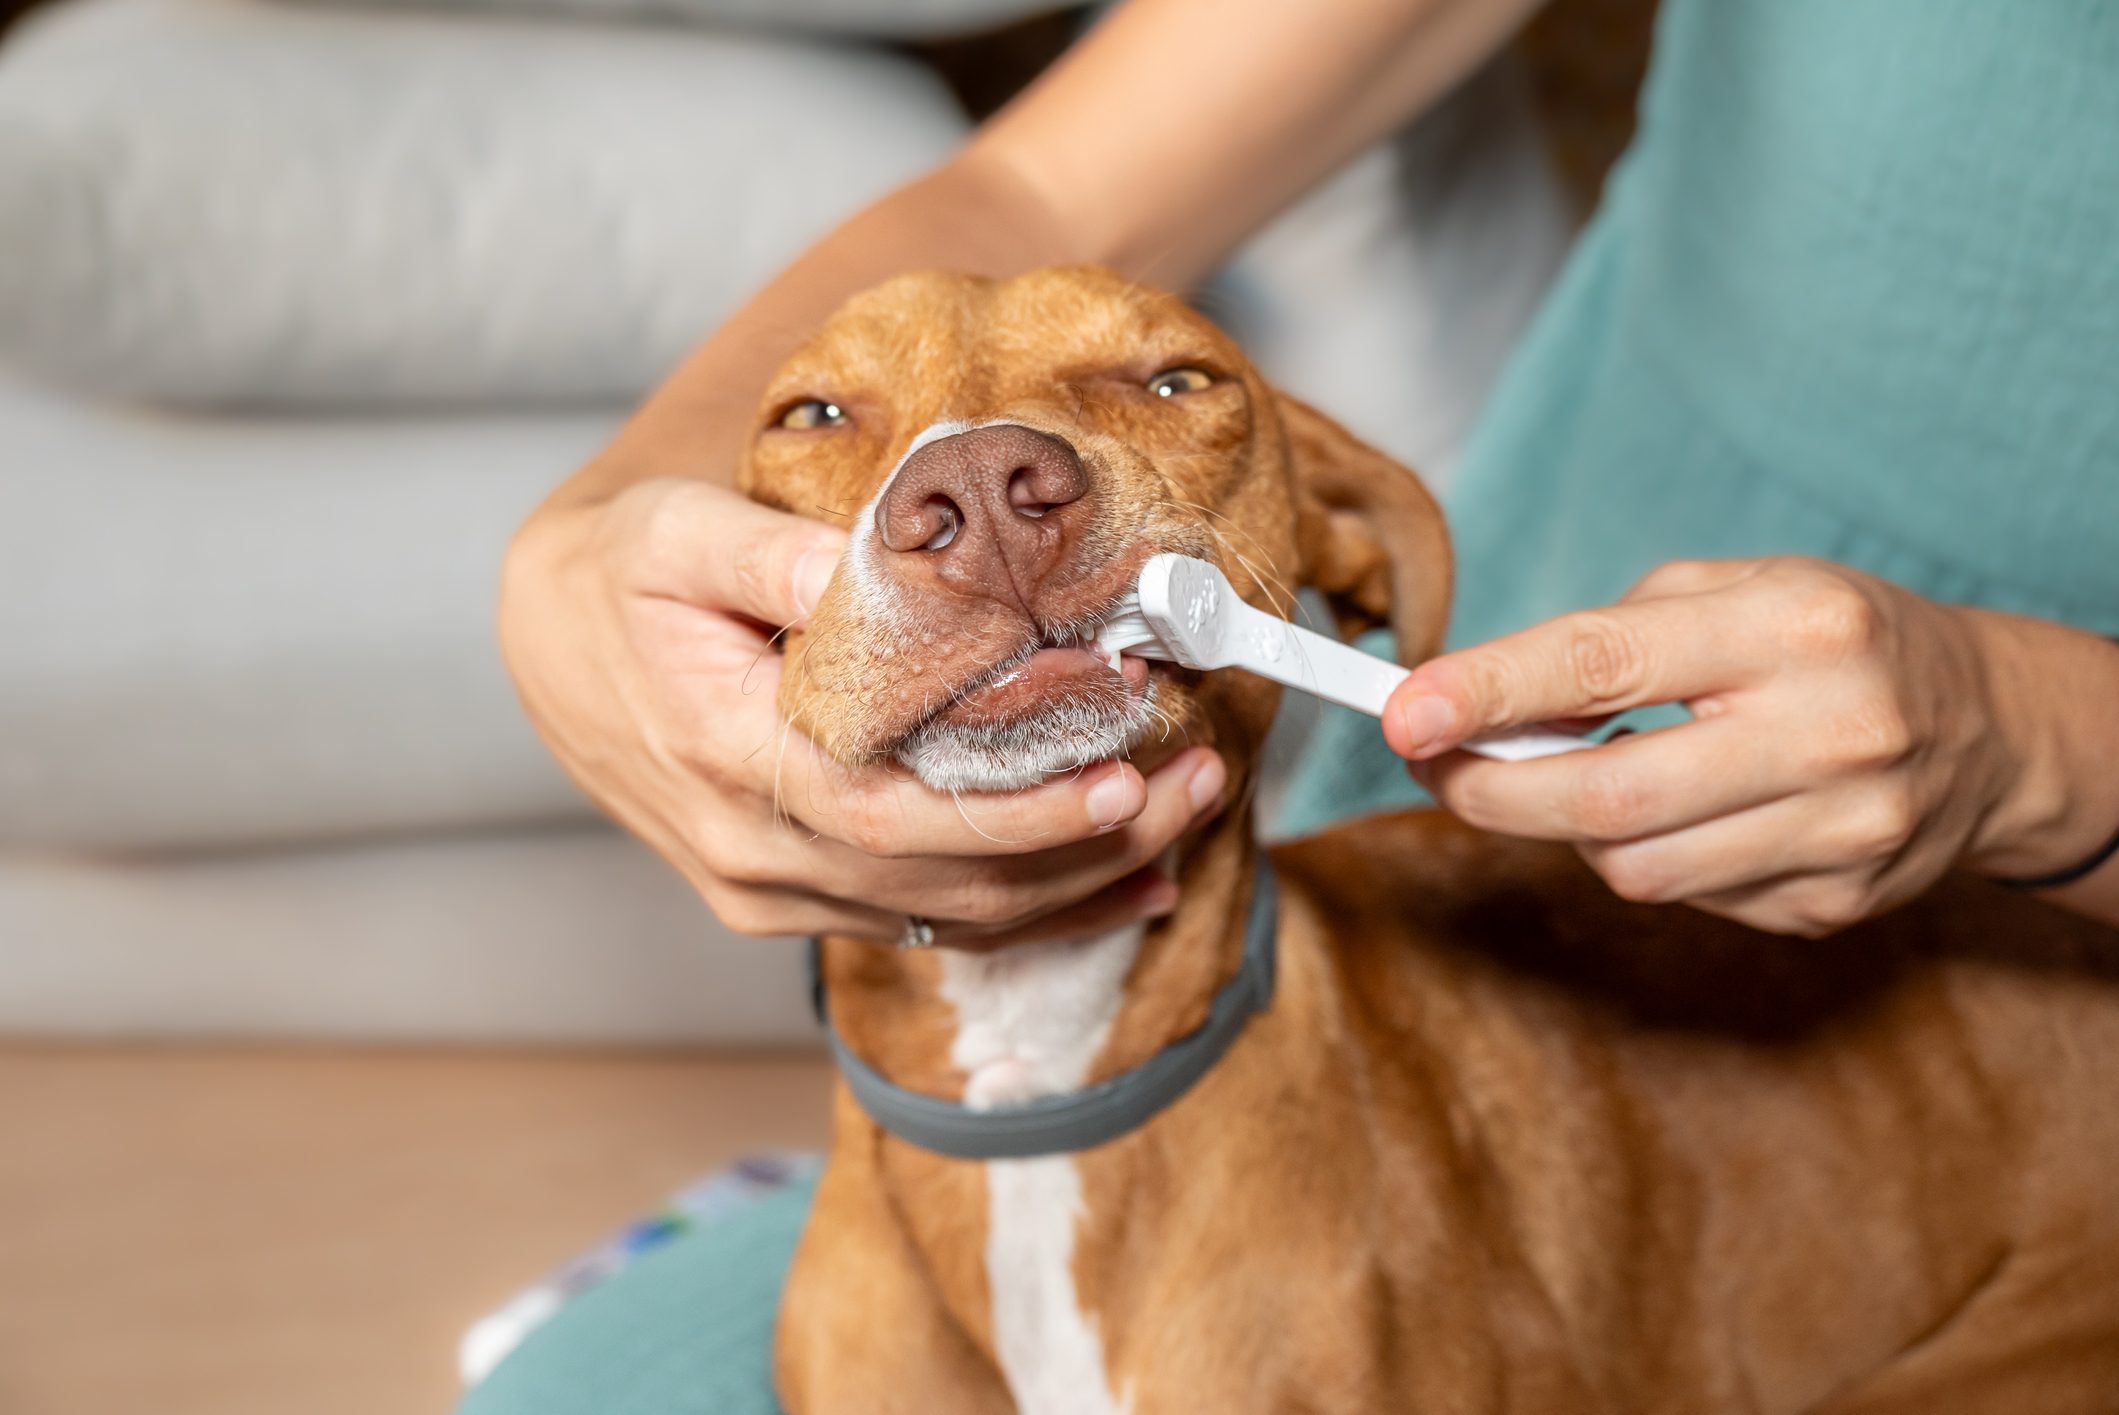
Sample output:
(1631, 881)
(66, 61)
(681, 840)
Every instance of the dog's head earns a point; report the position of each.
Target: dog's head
(1006, 455)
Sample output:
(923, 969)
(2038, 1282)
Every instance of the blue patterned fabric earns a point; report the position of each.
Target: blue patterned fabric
(686, 1330)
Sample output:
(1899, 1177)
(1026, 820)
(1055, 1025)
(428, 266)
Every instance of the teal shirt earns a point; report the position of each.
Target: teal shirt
(1853, 293)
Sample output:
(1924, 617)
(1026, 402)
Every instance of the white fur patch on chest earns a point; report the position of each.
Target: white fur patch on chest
(1030, 1020)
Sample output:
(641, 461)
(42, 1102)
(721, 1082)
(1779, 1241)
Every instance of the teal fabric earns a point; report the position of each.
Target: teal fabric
(686, 1330)
(1854, 293)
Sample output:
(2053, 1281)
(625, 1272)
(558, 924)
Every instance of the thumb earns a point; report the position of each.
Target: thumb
(720, 550)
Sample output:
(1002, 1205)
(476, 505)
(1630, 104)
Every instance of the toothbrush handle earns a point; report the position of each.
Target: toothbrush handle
(1524, 744)
(1339, 673)
(1325, 668)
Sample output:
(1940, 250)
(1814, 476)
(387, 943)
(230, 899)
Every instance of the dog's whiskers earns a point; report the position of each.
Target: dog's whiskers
(1276, 589)
(763, 649)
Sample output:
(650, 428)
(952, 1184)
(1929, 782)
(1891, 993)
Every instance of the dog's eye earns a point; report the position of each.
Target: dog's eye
(813, 412)
(1173, 381)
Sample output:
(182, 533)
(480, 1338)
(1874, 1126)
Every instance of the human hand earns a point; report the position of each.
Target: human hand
(639, 632)
(1850, 741)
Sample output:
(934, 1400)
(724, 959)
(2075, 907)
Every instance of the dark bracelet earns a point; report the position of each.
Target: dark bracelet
(2070, 874)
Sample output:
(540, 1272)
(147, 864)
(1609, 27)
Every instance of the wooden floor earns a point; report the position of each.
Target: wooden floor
(286, 1233)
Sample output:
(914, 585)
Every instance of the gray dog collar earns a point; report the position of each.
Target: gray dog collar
(1079, 1120)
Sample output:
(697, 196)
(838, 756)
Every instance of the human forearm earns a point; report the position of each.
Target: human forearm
(1178, 127)
(1175, 129)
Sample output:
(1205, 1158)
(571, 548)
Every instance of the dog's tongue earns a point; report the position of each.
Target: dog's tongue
(1029, 687)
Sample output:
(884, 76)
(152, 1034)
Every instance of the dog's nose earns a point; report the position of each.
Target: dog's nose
(985, 508)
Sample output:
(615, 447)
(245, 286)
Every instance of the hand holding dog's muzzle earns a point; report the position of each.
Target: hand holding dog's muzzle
(641, 633)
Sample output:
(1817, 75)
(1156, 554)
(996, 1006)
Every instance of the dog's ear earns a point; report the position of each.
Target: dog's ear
(1370, 535)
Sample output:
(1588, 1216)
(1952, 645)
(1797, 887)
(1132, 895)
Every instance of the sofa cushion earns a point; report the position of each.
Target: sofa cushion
(228, 203)
(224, 632)
(575, 936)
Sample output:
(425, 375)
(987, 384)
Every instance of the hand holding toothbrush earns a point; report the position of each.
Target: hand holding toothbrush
(1850, 741)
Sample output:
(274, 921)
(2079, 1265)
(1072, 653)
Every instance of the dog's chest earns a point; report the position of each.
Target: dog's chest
(1030, 1021)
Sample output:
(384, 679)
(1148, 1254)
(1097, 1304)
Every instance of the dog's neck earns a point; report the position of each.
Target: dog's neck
(1027, 1020)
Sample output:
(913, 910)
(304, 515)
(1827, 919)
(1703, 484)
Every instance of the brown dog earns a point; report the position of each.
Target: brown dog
(1502, 1142)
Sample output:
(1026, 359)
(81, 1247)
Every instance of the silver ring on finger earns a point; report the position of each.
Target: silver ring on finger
(919, 933)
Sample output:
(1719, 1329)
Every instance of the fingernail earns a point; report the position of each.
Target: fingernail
(812, 573)
(1426, 719)
(1110, 802)
(1205, 786)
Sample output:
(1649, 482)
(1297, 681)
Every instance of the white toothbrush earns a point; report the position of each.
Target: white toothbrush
(1185, 611)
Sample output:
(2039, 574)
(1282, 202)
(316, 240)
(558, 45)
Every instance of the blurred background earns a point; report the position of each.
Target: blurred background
(330, 1014)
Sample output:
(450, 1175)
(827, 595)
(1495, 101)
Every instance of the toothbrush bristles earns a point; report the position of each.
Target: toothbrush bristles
(1126, 629)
